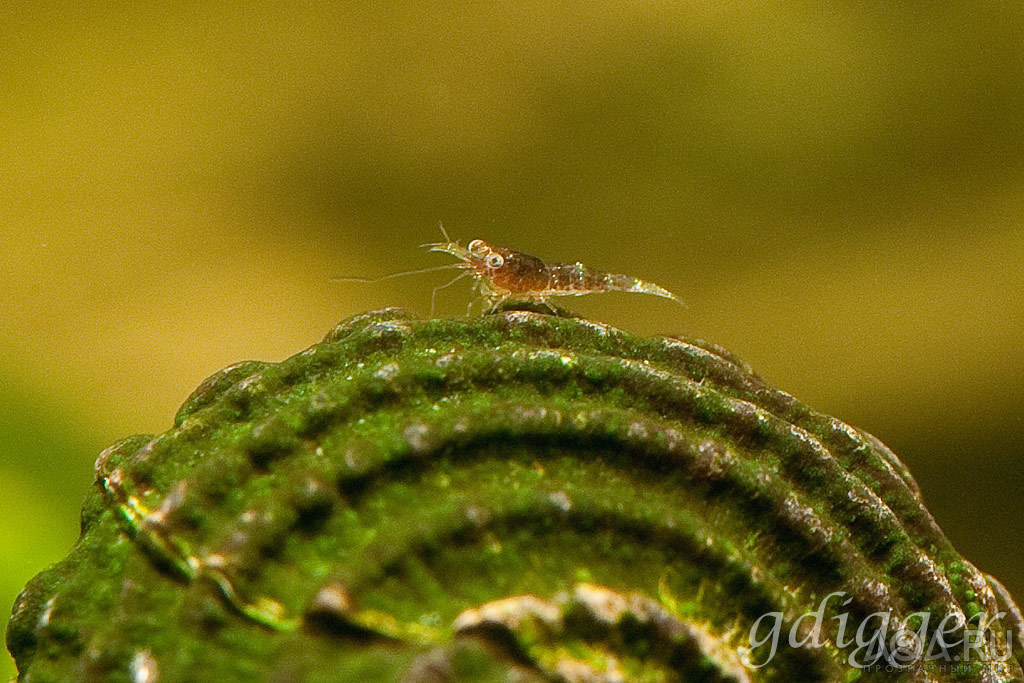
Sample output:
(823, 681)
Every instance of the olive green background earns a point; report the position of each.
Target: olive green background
(835, 189)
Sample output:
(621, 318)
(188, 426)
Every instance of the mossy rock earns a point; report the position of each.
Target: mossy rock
(517, 496)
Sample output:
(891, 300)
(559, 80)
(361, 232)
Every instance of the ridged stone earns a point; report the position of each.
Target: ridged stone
(513, 495)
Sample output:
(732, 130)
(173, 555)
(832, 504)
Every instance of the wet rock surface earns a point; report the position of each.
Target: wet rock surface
(517, 494)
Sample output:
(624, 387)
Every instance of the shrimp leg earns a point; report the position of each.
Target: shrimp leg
(433, 293)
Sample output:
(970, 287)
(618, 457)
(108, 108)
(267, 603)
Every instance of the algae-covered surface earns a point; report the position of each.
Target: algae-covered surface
(516, 494)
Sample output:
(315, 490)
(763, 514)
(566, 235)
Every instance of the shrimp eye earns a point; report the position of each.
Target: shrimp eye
(478, 247)
(495, 261)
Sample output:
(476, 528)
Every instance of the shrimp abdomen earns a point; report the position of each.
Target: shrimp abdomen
(577, 279)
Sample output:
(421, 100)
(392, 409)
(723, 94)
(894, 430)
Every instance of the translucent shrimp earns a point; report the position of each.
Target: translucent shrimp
(502, 274)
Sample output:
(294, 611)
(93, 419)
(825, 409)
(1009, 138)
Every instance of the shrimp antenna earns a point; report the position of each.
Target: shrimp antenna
(447, 266)
(447, 239)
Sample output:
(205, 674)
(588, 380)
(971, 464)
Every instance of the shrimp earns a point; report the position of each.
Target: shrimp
(502, 274)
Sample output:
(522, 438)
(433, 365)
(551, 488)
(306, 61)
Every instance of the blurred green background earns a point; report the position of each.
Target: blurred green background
(836, 189)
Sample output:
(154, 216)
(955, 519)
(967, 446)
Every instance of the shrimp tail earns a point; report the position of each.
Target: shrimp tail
(624, 283)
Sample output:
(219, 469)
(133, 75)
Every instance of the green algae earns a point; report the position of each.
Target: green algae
(334, 516)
